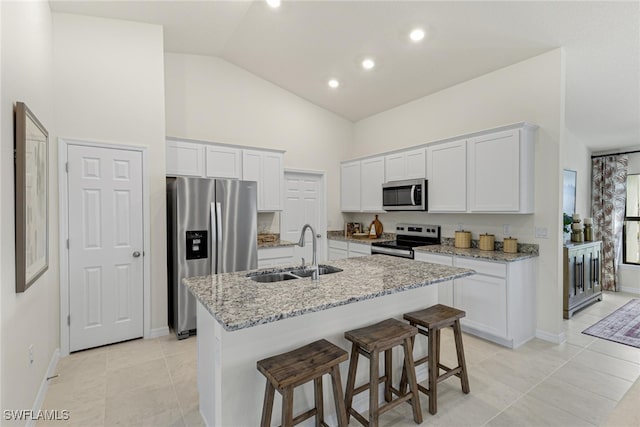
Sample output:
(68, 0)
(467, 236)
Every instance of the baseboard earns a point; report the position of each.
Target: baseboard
(158, 332)
(548, 336)
(628, 290)
(44, 386)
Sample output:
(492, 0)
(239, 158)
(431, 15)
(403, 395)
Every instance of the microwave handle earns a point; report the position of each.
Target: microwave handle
(413, 197)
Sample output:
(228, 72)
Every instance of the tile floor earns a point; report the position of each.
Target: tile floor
(577, 383)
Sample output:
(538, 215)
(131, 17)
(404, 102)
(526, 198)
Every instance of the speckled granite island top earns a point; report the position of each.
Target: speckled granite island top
(477, 253)
(238, 302)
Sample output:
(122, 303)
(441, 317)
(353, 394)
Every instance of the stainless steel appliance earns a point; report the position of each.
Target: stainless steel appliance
(408, 195)
(212, 227)
(408, 236)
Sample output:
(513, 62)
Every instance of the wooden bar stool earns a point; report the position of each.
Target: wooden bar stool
(370, 341)
(430, 322)
(288, 370)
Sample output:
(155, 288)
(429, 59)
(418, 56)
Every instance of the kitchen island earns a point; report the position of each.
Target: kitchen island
(241, 321)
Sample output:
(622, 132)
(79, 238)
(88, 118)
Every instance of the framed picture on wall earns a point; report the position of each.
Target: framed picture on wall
(569, 192)
(31, 197)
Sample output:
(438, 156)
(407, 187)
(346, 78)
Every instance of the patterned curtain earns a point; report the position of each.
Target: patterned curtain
(608, 194)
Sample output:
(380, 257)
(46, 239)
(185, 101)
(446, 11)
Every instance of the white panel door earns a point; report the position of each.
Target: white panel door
(372, 178)
(303, 204)
(447, 168)
(224, 162)
(105, 246)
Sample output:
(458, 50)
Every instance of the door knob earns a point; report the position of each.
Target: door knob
(318, 235)
(136, 254)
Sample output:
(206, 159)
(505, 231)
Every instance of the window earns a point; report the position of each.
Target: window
(631, 232)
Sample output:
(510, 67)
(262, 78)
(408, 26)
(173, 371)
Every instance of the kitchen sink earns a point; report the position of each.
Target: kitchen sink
(297, 273)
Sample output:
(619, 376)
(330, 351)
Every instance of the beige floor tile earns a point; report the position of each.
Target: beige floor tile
(576, 337)
(133, 352)
(193, 418)
(144, 374)
(531, 412)
(85, 412)
(139, 406)
(182, 367)
(577, 401)
(171, 345)
(564, 351)
(591, 380)
(627, 413)
(609, 365)
(617, 350)
(187, 394)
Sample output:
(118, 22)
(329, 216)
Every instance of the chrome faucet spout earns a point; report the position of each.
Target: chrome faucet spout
(314, 260)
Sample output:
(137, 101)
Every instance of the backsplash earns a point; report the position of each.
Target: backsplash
(268, 222)
(524, 248)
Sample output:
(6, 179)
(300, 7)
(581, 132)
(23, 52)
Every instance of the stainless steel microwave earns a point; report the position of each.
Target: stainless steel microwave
(408, 195)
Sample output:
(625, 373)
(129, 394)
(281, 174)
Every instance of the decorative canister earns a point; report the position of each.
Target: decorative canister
(510, 245)
(588, 233)
(487, 242)
(463, 239)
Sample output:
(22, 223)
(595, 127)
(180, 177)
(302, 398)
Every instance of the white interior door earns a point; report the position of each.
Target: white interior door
(304, 204)
(105, 246)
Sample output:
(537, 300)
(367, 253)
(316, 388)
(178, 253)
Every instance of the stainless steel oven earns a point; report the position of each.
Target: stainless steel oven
(408, 195)
(408, 236)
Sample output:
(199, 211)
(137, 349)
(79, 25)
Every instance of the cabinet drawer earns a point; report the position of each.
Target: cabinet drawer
(339, 244)
(434, 258)
(498, 269)
(359, 249)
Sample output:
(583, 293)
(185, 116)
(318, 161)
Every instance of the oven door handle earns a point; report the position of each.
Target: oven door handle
(390, 251)
(413, 197)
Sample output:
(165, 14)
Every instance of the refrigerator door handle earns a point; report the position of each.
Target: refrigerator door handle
(218, 236)
(213, 244)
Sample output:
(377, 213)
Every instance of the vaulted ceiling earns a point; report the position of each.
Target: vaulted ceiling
(303, 44)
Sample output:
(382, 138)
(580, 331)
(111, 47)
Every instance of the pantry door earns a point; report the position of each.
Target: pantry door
(304, 203)
(105, 232)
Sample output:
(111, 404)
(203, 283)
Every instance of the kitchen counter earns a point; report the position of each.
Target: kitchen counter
(339, 235)
(237, 302)
(477, 253)
(275, 244)
(240, 321)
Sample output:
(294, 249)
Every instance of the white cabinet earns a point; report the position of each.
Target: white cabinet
(445, 289)
(350, 186)
(340, 249)
(447, 174)
(359, 249)
(484, 299)
(372, 178)
(273, 257)
(409, 164)
(500, 171)
(223, 162)
(184, 158)
(265, 167)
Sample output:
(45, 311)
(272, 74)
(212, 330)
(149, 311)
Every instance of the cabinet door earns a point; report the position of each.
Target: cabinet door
(484, 299)
(445, 289)
(184, 158)
(395, 165)
(359, 249)
(494, 172)
(350, 187)
(272, 181)
(415, 164)
(447, 174)
(372, 178)
(337, 254)
(251, 171)
(223, 162)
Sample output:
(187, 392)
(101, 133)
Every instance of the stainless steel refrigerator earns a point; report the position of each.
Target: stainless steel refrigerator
(212, 227)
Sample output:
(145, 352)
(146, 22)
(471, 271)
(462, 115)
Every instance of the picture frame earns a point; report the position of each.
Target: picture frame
(569, 191)
(31, 145)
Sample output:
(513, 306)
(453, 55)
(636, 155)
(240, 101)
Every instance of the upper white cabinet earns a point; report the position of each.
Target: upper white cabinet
(184, 158)
(223, 162)
(372, 178)
(409, 164)
(361, 185)
(447, 174)
(266, 168)
(500, 171)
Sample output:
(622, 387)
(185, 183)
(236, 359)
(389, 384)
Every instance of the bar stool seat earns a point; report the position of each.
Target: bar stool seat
(288, 370)
(430, 322)
(369, 342)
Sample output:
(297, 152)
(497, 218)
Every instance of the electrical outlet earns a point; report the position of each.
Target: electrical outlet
(506, 230)
(460, 228)
(31, 354)
(542, 233)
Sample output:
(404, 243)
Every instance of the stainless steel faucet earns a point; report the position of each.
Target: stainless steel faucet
(314, 262)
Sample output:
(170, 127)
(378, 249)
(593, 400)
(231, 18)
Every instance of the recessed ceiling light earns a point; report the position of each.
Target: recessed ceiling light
(333, 83)
(368, 64)
(273, 3)
(416, 35)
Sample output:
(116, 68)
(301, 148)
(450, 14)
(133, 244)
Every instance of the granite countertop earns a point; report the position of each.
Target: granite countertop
(238, 302)
(477, 253)
(276, 244)
(339, 235)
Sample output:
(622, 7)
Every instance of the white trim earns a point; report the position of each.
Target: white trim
(548, 336)
(157, 332)
(306, 171)
(223, 144)
(44, 386)
(63, 144)
(629, 290)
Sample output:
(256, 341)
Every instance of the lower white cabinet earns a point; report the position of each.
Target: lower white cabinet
(340, 249)
(499, 300)
(273, 257)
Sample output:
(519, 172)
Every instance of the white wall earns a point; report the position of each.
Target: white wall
(532, 91)
(212, 100)
(630, 274)
(32, 317)
(109, 86)
(577, 157)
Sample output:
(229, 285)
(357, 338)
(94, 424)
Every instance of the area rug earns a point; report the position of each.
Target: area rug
(622, 326)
